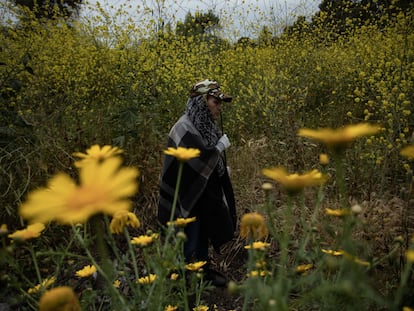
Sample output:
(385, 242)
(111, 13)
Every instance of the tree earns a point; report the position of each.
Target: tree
(51, 8)
(342, 15)
(201, 24)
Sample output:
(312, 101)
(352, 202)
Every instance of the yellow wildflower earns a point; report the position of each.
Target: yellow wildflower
(323, 159)
(342, 137)
(104, 188)
(407, 309)
(408, 152)
(253, 225)
(183, 154)
(267, 186)
(116, 283)
(181, 222)
(174, 276)
(294, 182)
(171, 308)
(30, 232)
(258, 245)
(3, 229)
(121, 219)
(96, 154)
(303, 268)
(86, 271)
(59, 299)
(144, 240)
(256, 273)
(332, 252)
(201, 308)
(39, 287)
(410, 255)
(147, 279)
(195, 266)
(337, 212)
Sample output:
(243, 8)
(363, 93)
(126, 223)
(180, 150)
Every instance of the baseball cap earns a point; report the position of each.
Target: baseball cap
(209, 87)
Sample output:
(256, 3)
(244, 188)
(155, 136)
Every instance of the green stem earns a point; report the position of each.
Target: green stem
(170, 228)
(131, 252)
(100, 270)
(36, 266)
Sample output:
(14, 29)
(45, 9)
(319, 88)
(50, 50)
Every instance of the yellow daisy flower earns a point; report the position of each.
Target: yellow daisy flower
(256, 273)
(410, 255)
(171, 308)
(201, 308)
(303, 268)
(3, 229)
(408, 152)
(332, 252)
(86, 271)
(253, 224)
(195, 266)
(45, 284)
(96, 154)
(144, 240)
(295, 182)
(30, 232)
(116, 283)
(342, 137)
(337, 212)
(183, 154)
(147, 279)
(59, 298)
(323, 159)
(121, 219)
(174, 276)
(104, 188)
(258, 245)
(181, 222)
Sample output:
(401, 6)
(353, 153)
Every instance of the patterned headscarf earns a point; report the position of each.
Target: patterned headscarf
(199, 114)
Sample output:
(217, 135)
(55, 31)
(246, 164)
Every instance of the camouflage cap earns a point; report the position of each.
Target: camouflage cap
(209, 87)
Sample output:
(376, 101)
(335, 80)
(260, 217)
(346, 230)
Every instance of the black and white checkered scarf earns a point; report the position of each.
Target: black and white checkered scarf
(199, 114)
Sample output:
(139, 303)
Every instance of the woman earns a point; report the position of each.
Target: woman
(205, 190)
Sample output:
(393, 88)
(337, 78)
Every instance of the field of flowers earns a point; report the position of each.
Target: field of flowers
(322, 149)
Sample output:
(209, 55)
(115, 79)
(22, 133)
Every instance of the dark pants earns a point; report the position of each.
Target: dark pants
(196, 245)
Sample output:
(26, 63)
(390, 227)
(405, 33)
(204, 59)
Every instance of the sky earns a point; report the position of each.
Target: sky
(238, 17)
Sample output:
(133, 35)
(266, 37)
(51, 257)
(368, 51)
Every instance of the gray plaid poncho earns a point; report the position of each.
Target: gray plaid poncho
(201, 175)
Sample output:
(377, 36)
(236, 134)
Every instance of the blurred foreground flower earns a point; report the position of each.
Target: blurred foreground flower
(294, 183)
(31, 231)
(253, 225)
(96, 154)
(59, 299)
(86, 271)
(171, 308)
(122, 219)
(104, 188)
(408, 152)
(42, 286)
(341, 137)
(183, 154)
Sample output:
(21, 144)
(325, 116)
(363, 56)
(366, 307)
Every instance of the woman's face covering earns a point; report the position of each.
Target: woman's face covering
(214, 105)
